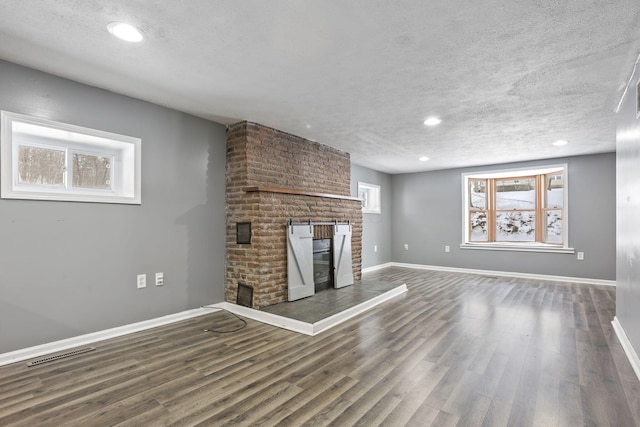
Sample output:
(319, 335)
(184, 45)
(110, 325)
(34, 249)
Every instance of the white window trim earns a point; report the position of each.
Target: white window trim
(372, 190)
(516, 246)
(125, 152)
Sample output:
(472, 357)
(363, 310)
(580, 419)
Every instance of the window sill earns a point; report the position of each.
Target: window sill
(516, 247)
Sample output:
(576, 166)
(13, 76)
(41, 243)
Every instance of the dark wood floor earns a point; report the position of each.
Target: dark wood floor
(456, 349)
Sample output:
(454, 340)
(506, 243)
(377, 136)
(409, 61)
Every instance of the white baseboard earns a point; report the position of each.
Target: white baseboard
(626, 345)
(61, 345)
(569, 279)
(268, 318)
(376, 267)
(310, 328)
(261, 316)
(343, 316)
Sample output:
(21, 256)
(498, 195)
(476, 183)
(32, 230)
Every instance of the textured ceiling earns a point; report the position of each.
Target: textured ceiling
(507, 78)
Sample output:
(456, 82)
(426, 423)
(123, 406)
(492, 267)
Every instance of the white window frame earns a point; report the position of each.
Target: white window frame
(22, 130)
(370, 196)
(516, 246)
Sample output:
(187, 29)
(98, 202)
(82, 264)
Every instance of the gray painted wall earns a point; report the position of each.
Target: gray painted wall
(427, 215)
(628, 217)
(68, 269)
(376, 228)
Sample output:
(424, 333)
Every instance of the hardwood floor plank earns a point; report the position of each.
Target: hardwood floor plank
(498, 414)
(547, 401)
(457, 349)
(375, 415)
(570, 411)
(118, 412)
(444, 419)
(247, 411)
(475, 413)
(316, 388)
(463, 396)
(424, 416)
(321, 410)
(413, 392)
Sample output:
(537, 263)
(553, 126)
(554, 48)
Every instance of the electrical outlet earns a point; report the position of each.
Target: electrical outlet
(159, 279)
(406, 246)
(580, 256)
(142, 281)
(375, 248)
(447, 248)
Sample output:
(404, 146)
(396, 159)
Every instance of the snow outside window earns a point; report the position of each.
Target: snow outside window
(516, 210)
(46, 160)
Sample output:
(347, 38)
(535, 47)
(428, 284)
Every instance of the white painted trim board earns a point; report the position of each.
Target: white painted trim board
(260, 316)
(569, 279)
(80, 340)
(626, 345)
(376, 267)
(311, 328)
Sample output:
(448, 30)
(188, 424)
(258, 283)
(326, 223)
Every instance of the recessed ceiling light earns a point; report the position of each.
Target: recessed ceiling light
(560, 142)
(423, 158)
(432, 121)
(125, 32)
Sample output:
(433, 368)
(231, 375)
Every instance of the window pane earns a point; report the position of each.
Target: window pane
(477, 194)
(555, 191)
(370, 195)
(554, 226)
(38, 165)
(479, 229)
(519, 193)
(90, 171)
(519, 226)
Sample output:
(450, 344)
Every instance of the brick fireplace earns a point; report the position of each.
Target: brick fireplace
(273, 177)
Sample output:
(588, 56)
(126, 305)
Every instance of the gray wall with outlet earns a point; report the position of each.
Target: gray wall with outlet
(427, 216)
(376, 228)
(69, 268)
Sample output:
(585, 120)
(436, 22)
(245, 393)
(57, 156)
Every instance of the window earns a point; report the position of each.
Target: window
(516, 209)
(370, 196)
(46, 160)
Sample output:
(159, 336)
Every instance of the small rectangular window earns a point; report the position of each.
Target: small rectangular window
(47, 160)
(370, 196)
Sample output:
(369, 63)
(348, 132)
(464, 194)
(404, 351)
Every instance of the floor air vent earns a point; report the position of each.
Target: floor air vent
(60, 356)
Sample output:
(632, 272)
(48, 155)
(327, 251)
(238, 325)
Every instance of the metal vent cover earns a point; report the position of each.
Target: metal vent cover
(55, 357)
(245, 295)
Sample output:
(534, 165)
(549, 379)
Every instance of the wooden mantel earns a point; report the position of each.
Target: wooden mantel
(261, 189)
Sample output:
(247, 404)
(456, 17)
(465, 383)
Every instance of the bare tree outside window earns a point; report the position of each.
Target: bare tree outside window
(40, 166)
(91, 171)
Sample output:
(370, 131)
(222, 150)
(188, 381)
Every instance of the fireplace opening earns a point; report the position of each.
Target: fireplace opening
(318, 257)
(322, 264)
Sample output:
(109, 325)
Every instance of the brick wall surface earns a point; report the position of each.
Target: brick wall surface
(261, 156)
